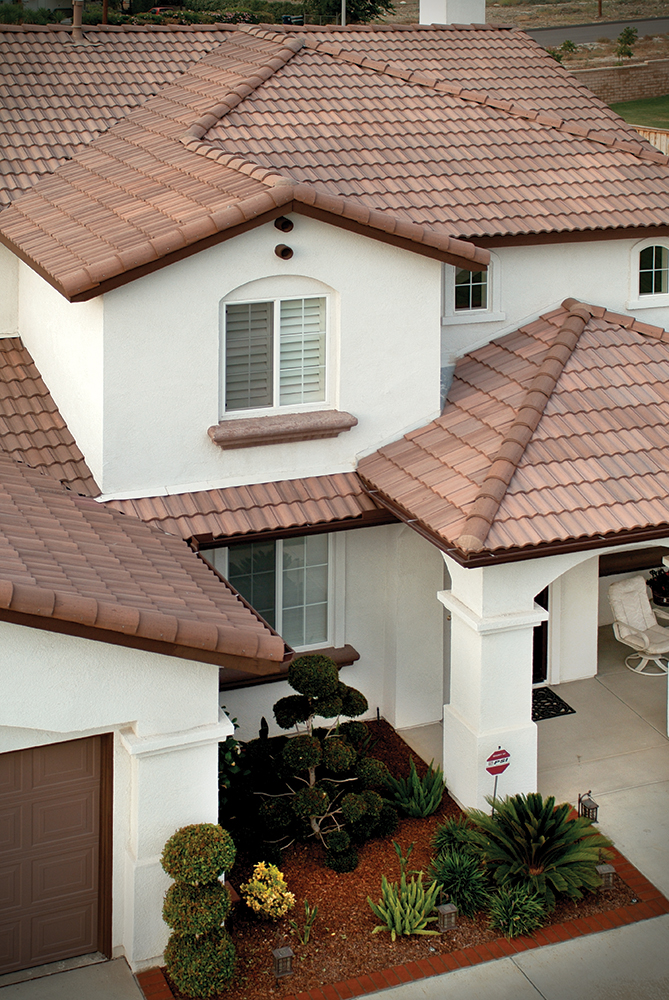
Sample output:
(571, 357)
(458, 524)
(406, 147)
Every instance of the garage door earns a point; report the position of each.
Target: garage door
(50, 848)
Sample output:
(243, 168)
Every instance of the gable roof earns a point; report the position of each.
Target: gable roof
(69, 564)
(331, 123)
(31, 427)
(553, 437)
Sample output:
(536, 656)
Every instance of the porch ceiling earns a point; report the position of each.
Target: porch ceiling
(553, 435)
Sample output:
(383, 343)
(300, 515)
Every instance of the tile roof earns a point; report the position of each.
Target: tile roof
(332, 123)
(241, 510)
(31, 427)
(68, 559)
(553, 434)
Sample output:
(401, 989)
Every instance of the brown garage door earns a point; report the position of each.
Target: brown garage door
(50, 852)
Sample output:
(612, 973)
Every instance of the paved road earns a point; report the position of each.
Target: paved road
(600, 29)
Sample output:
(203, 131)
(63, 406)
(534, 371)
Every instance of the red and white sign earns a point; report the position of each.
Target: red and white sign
(498, 761)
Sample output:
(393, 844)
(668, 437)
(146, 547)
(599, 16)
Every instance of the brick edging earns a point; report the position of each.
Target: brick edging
(652, 903)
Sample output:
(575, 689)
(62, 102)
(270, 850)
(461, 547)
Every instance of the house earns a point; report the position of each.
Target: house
(365, 325)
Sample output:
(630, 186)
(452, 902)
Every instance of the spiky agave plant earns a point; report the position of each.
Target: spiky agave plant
(533, 843)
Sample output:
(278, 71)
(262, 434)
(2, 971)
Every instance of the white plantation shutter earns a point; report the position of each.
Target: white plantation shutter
(248, 355)
(302, 351)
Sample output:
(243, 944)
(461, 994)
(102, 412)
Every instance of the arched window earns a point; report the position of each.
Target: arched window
(654, 270)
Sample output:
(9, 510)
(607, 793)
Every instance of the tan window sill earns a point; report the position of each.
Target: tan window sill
(249, 432)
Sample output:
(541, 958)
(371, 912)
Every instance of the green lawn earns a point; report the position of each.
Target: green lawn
(653, 112)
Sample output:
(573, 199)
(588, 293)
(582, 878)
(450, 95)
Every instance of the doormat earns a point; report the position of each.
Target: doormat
(546, 704)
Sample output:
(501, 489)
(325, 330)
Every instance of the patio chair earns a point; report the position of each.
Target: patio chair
(635, 624)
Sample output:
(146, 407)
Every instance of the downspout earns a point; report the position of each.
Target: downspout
(77, 11)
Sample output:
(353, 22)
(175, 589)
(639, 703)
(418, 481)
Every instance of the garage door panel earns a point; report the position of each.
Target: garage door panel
(11, 829)
(11, 882)
(65, 874)
(62, 818)
(62, 763)
(10, 772)
(10, 945)
(63, 934)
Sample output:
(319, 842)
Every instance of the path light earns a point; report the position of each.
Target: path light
(448, 915)
(587, 806)
(283, 962)
(606, 873)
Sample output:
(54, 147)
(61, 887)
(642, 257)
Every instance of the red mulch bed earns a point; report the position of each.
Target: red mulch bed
(342, 945)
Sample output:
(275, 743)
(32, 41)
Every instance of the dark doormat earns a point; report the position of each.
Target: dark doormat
(546, 704)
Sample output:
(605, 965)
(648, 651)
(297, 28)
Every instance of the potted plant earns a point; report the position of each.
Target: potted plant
(659, 585)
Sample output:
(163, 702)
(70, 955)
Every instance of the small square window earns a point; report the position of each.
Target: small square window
(471, 289)
(654, 271)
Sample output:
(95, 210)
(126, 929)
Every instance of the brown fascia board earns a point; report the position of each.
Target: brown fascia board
(249, 665)
(475, 560)
(568, 236)
(368, 519)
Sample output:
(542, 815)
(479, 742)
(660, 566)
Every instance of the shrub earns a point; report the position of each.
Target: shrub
(452, 834)
(405, 908)
(514, 911)
(190, 909)
(388, 821)
(534, 844)
(312, 801)
(356, 733)
(372, 773)
(366, 826)
(418, 796)
(266, 892)
(198, 853)
(354, 702)
(200, 966)
(353, 807)
(338, 755)
(342, 861)
(291, 710)
(302, 752)
(314, 676)
(276, 813)
(338, 841)
(463, 880)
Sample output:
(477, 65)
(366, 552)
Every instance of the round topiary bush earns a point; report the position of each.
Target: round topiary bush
(312, 801)
(198, 853)
(200, 966)
(353, 807)
(371, 773)
(338, 841)
(302, 752)
(291, 710)
(353, 701)
(356, 733)
(191, 909)
(342, 861)
(276, 813)
(338, 755)
(328, 707)
(387, 822)
(314, 676)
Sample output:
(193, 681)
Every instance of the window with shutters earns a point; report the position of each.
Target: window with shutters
(287, 581)
(274, 353)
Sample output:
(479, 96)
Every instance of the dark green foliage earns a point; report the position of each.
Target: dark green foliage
(626, 40)
(314, 676)
(356, 733)
(198, 853)
(354, 702)
(190, 909)
(452, 834)
(372, 773)
(353, 807)
(200, 966)
(532, 843)
(302, 752)
(462, 879)
(338, 841)
(388, 821)
(276, 814)
(329, 706)
(366, 826)
(312, 801)
(342, 861)
(405, 908)
(515, 911)
(338, 755)
(291, 710)
(417, 796)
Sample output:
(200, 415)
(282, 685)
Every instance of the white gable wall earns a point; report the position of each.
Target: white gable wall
(9, 293)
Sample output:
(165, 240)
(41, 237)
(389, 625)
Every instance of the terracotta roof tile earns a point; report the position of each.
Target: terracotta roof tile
(591, 462)
(70, 558)
(31, 428)
(225, 513)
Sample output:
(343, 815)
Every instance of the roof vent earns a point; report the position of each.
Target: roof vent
(77, 11)
(452, 11)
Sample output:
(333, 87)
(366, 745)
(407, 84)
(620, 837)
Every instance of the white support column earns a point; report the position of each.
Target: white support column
(491, 691)
(452, 12)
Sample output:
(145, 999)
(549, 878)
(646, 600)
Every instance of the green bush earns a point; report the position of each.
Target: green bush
(514, 911)
(338, 841)
(353, 807)
(405, 908)
(312, 801)
(302, 752)
(388, 821)
(338, 755)
(291, 710)
(190, 909)
(462, 879)
(342, 861)
(535, 844)
(356, 733)
(276, 814)
(198, 853)
(371, 773)
(200, 966)
(314, 676)
(418, 796)
(452, 834)
(353, 701)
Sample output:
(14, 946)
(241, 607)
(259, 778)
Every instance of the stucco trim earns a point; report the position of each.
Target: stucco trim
(150, 746)
(251, 432)
(492, 623)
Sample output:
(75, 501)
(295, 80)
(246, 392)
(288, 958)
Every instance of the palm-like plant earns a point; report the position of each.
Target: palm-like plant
(533, 843)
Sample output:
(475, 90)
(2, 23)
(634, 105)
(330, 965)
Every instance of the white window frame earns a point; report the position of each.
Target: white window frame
(491, 313)
(276, 407)
(218, 558)
(651, 300)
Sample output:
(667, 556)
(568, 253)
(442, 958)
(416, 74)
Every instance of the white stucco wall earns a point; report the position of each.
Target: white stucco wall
(394, 620)
(161, 357)
(9, 293)
(529, 281)
(164, 715)
(65, 340)
(573, 630)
